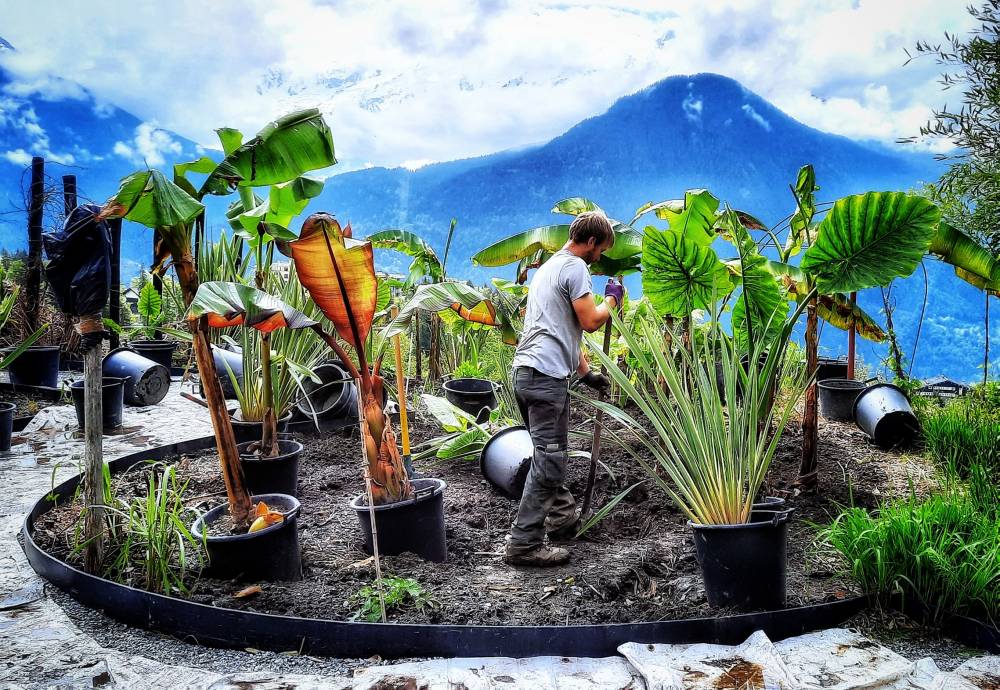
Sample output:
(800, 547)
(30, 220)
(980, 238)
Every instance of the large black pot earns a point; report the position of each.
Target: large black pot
(477, 397)
(415, 525)
(831, 368)
(335, 397)
(837, 396)
(6, 425)
(160, 351)
(235, 361)
(36, 366)
(268, 554)
(744, 566)
(278, 475)
(505, 460)
(112, 400)
(253, 431)
(883, 412)
(146, 381)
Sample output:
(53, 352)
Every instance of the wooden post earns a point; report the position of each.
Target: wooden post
(809, 468)
(33, 278)
(851, 334)
(69, 193)
(115, 308)
(157, 280)
(416, 343)
(94, 460)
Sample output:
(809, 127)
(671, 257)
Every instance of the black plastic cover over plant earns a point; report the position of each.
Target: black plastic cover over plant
(79, 262)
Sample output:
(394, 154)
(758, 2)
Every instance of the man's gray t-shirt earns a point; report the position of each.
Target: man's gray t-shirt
(550, 341)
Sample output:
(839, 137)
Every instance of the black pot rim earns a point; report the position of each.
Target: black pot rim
(448, 386)
(482, 453)
(357, 506)
(160, 344)
(838, 384)
(115, 381)
(7, 407)
(232, 418)
(781, 517)
(290, 515)
(874, 386)
(283, 443)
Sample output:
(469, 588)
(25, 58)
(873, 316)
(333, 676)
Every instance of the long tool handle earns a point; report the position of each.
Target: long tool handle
(595, 447)
(404, 423)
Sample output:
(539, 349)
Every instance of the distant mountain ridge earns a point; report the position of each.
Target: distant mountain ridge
(683, 132)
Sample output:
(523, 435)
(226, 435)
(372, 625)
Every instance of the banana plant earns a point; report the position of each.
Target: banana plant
(282, 151)
(339, 273)
(462, 300)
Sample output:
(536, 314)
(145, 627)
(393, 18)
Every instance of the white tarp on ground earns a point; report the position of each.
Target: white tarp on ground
(839, 659)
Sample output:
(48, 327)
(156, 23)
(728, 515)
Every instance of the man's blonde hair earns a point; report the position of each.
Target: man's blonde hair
(592, 224)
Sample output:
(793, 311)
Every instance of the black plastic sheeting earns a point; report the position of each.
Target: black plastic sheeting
(79, 262)
(222, 627)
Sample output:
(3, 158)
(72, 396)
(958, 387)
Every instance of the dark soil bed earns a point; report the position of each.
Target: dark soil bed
(638, 565)
(27, 405)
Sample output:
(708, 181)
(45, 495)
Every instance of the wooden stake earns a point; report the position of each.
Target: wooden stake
(93, 530)
(33, 276)
(404, 423)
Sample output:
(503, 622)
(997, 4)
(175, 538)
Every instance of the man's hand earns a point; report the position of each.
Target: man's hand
(614, 289)
(599, 382)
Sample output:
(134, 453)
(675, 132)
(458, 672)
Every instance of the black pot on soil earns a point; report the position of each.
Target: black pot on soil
(884, 413)
(478, 397)
(252, 431)
(37, 366)
(506, 459)
(415, 525)
(6, 425)
(112, 400)
(744, 566)
(836, 398)
(147, 382)
(278, 475)
(334, 397)
(160, 351)
(831, 368)
(268, 554)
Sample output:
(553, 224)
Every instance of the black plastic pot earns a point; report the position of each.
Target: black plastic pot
(884, 413)
(252, 431)
(415, 525)
(769, 503)
(506, 459)
(478, 397)
(235, 361)
(837, 397)
(278, 475)
(831, 368)
(160, 351)
(744, 566)
(268, 554)
(6, 425)
(112, 400)
(147, 382)
(334, 397)
(37, 366)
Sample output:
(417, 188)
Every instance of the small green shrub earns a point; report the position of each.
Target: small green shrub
(399, 593)
(963, 438)
(468, 370)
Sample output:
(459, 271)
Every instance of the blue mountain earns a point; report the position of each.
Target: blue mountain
(680, 133)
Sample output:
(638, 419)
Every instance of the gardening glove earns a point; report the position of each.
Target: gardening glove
(615, 289)
(599, 382)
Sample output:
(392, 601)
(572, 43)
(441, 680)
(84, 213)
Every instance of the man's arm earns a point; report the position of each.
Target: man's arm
(592, 315)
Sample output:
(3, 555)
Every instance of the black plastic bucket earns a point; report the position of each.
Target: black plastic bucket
(268, 554)
(160, 351)
(744, 566)
(246, 432)
(6, 425)
(334, 397)
(235, 361)
(278, 475)
(478, 397)
(147, 382)
(506, 459)
(884, 413)
(415, 525)
(831, 368)
(112, 399)
(837, 397)
(36, 366)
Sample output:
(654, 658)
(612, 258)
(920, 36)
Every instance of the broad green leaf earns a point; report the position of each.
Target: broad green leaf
(230, 138)
(660, 209)
(574, 206)
(468, 302)
(450, 418)
(284, 201)
(203, 165)
(551, 238)
(150, 303)
(696, 219)
(869, 239)
(149, 198)
(680, 275)
(384, 292)
(469, 442)
(973, 262)
(285, 149)
(17, 351)
(230, 304)
(425, 267)
(805, 208)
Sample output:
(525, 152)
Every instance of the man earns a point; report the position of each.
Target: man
(560, 306)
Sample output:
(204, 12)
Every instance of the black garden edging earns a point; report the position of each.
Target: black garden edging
(223, 627)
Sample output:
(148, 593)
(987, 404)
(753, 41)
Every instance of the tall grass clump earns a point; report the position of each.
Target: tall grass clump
(942, 552)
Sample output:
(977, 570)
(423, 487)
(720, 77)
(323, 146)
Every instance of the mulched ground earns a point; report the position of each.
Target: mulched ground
(637, 565)
(27, 406)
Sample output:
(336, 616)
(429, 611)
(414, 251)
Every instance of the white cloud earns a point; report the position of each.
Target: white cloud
(17, 157)
(148, 146)
(749, 111)
(412, 81)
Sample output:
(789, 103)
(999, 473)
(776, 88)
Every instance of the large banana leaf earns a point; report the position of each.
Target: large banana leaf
(574, 206)
(231, 304)
(551, 238)
(425, 265)
(679, 274)
(805, 208)
(284, 201)
(149, 198)
(203, 165)
(973, 262)
(339, 273)
(869, 239)
(285, 149)
(468, 302)
(696, 218)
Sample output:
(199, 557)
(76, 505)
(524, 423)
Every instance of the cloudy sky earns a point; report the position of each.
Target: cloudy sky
(407, 82)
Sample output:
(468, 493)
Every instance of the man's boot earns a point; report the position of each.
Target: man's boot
(541, 556)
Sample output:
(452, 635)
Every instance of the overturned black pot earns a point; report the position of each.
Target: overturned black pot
(253, 431)
(223, 357)
(160, 351)
(744, 566)
(506, 459)
(836, 398)
(147, 382)
(112, 401)
(415, 525)
(884, 413)
(36, 366)
(268, 554)
(277, 475)
(334, 397)
(477, 397)
(6, 425)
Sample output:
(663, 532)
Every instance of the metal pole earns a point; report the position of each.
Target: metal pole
(850, 338)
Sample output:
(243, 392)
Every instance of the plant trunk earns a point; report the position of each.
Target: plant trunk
(895, 355)
(434, 363)
(269, 438)
(225, 440)
(93, 529)
(808, 470)
(416, 345)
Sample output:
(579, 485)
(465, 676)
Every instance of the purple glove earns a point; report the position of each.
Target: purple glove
(616, 290)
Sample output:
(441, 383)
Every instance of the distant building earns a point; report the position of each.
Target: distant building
(942, 387)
